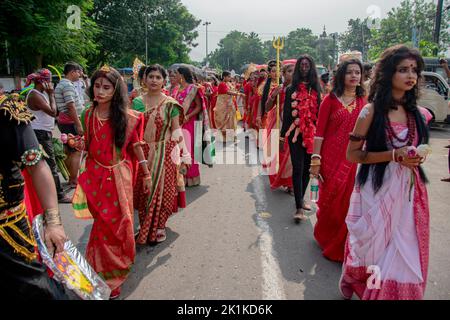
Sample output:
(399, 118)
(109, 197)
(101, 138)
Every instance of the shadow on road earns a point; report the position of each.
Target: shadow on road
(145, 263)
(298, 255)
(195, 193)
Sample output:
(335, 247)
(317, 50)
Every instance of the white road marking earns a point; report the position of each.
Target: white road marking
(272, 286)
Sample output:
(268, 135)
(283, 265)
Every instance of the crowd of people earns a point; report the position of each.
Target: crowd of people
(364, 139)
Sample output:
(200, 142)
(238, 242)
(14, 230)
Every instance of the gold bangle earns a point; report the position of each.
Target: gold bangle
(52, 217)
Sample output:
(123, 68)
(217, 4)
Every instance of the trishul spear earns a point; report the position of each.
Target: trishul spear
(278, 44)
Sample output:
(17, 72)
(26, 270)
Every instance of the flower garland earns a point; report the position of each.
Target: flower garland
(305, 111)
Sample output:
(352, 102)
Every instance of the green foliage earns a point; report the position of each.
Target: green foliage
(171, 31)
(299, 42)
(397, 27)
(357, 37)
(237, 49)
(38, 35)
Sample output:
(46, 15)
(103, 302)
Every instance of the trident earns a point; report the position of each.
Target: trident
(278, 44)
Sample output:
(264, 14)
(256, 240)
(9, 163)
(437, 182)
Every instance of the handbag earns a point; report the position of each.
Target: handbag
(238, 115)
(79, 200)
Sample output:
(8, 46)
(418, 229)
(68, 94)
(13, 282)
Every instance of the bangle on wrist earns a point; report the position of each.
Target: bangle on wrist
(52, 217)
(393, 155)
(143, 161)
(316, 156)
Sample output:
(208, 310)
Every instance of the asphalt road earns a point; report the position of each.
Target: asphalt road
(237, 240)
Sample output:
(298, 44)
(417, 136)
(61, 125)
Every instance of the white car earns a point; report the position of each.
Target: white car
(434, 95)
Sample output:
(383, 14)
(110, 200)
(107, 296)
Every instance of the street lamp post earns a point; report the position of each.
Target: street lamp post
(437, 28)
(207, 53)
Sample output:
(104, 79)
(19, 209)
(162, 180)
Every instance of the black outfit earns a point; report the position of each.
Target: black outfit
(45, 138)
(22, 276)
(301, 160)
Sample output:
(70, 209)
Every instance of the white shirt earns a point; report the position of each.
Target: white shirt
(43, 121)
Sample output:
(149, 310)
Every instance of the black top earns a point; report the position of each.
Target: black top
(16, 139)
(287, 111)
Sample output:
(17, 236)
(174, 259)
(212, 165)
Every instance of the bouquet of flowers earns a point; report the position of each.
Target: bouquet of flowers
(74, 142)
(423, 151)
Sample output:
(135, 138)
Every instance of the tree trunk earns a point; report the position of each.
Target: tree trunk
(39, 59)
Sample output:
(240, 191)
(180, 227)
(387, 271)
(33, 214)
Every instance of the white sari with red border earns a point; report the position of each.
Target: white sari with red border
(387, 248)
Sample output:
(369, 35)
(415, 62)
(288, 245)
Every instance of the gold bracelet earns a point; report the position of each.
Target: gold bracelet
(52, 217)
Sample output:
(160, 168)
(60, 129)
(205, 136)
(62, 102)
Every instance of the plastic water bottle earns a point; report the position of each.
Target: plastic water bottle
(314, 190)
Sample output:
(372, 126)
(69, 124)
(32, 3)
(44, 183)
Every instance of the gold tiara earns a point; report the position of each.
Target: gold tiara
(105, 68)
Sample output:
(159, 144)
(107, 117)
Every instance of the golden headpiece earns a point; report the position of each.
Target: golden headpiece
(105, 68)
(350, 55)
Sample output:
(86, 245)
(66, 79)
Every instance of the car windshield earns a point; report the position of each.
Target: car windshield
(434, 83)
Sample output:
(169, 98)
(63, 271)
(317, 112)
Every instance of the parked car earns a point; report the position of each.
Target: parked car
(321, 69)
(433, 65)
(435, 95)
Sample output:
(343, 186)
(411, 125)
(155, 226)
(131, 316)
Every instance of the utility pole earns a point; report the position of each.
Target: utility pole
(146, 36)
(7, 58)
(207, 52)
(363, 42)
(437, 27)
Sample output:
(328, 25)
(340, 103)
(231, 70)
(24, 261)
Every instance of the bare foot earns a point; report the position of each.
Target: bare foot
(300, 216)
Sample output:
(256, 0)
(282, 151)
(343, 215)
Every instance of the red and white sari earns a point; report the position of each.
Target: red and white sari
(389, 233)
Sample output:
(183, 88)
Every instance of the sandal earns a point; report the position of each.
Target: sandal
(161, 235)
(115, 294)
(299, 217)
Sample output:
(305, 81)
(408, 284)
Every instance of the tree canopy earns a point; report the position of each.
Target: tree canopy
(37, 33)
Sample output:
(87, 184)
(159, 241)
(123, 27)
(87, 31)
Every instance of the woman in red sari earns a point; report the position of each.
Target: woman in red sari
(162, 115)
(225, 110)
(337, 117)
(112, 135)
(191, 100)
(282, 177)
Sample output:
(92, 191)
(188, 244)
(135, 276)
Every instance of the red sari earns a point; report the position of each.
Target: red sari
(108, 184)
(282, 177)
(334, 126)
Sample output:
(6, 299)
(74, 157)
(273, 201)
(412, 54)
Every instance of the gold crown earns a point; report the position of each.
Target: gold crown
(105, 68)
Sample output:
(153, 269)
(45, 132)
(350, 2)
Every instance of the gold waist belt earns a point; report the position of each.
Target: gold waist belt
(8, 227)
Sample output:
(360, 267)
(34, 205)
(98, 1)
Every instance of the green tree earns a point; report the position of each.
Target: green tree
(301, 41)
(357, 37)
(167, 24)
(398, 26)
(237, 49)
(37, 32)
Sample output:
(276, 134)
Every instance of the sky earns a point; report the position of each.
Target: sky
(271, 18)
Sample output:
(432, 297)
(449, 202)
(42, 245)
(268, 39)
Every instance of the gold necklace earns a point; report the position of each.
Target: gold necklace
(349, 106)
(100, 123)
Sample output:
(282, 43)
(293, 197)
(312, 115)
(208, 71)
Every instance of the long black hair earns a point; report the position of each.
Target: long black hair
(383, 101)
(312, 78)
(339, 80)
(265, 95)
(119, 103)
(187, 74)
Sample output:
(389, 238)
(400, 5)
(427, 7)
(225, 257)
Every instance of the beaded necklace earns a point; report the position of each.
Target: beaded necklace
(392, 136)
